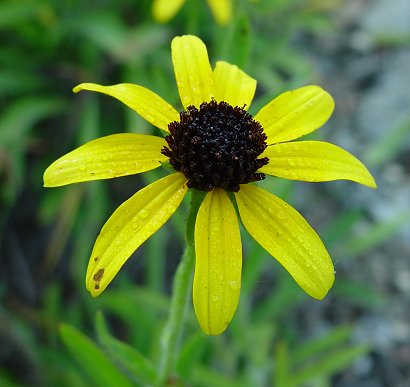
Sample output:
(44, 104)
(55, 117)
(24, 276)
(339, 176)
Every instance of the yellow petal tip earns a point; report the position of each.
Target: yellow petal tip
(367, 179)
(372, 183)
(321, 293)
(86, 86)
(47, 182)
(77, 88)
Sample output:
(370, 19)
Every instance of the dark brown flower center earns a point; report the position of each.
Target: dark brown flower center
(216, 145)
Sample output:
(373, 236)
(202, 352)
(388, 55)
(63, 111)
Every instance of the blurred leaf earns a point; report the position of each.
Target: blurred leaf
(389, 145)
(14, 81)
(109, 32)
(131, 359)
(255, 261)
(14, 13)
(51, 204)
(59, 369)
(282, 372)
(388, 39)
(104, 29)
(318, 359)
(375, 234)
(339, 226)
(124, 303)
(140, 308)
(283, 296)
(191, 353)
(259, 338)
(235, 47)
(52, 311)
(327, 342)
(91, 358)
(327, 366)
(90, 121)
(205, 377)
(359, 294)
(20, 117)
(155, 256)
(274, 7)
(6, 381)
(15, 124)
(69, 206)
(280, 187)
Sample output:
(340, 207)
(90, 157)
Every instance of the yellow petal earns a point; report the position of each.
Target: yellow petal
(145, 102)
(286, 235)
(218, 266)
(165, 10)
(193, 72)
(315, 161)
(233, 86)
(295, 113)
(105, 158)
(129, 226)
(221, 10)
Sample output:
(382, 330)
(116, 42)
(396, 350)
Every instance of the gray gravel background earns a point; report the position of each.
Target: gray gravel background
(365, 65)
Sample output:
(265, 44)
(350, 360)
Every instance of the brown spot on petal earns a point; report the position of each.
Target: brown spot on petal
(95, 259)
(97, 276)
(96, 286)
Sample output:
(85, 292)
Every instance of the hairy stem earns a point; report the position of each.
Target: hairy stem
(181, 290)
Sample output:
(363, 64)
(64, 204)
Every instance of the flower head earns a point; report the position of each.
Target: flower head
(165, 10)
(214, 145)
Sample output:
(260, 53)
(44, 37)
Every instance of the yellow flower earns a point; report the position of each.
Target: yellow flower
(165, 10)
(214, 145)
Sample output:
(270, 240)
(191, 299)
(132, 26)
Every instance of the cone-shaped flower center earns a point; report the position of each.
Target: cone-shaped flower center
(216, 146)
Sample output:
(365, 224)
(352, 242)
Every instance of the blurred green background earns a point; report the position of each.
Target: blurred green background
(52, 333)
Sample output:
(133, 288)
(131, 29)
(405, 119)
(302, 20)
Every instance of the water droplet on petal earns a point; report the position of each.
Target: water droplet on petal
(234, 285)
(215, 298)
(144, 213)
(291, 162)
(82, 167)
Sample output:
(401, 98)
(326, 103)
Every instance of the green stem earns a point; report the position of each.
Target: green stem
(181, 290)
(192, 17)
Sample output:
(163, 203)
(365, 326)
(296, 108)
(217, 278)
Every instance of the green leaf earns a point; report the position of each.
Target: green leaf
(282, 372)
(255, 263)
(15, 123)
(92, 359)
(240, 42)
(359, 294)
(324, 343)
(204, 377)
(17, 80)
(20, 116)
(329, 365)
(191, 353)
(282, 298)
(375, 234)
(389, 145)
(108, 32)
(131, 359)
(15, 13)
(337, 229)
(123, 303)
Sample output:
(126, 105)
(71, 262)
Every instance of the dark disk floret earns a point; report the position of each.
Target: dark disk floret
(216, 145)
